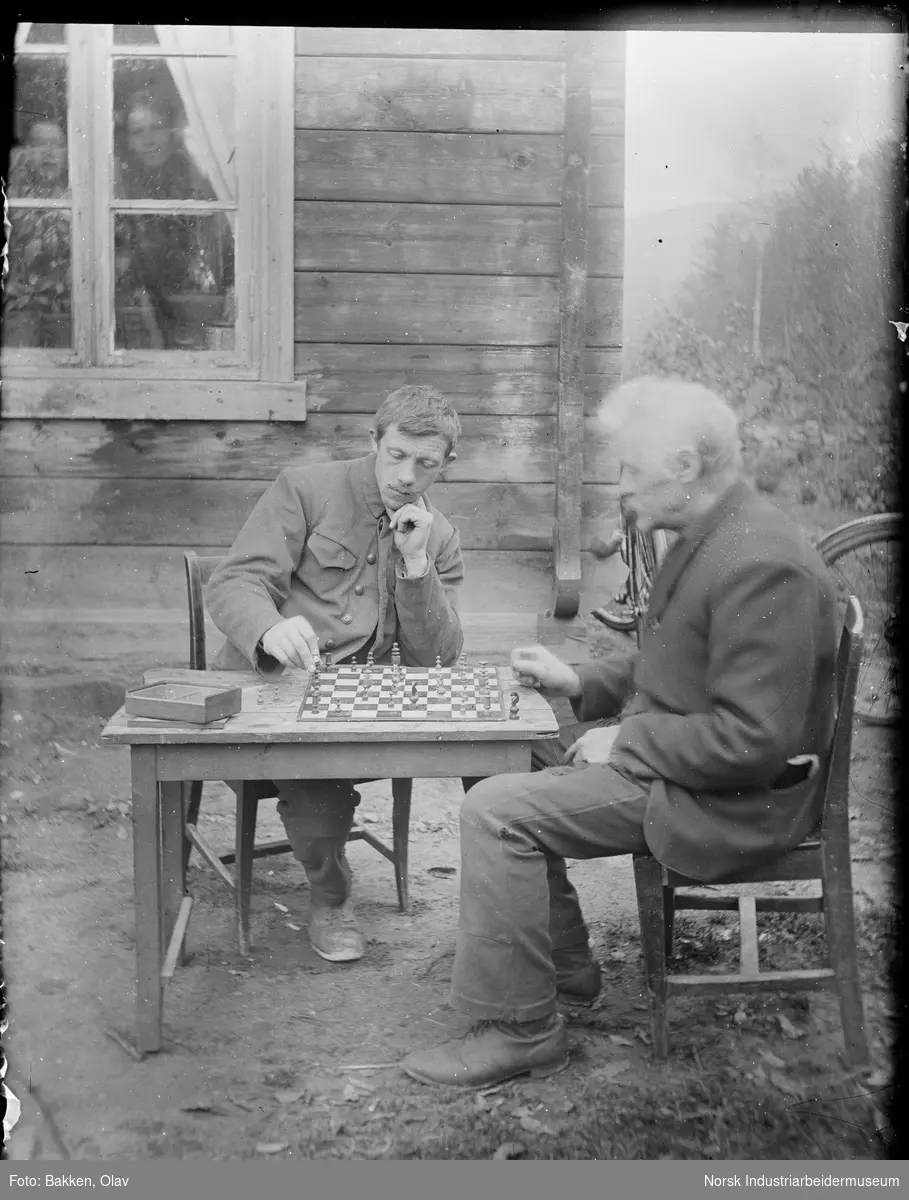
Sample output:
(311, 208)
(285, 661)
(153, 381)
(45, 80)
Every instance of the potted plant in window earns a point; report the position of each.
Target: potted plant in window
(21, 319)
(37, 291)
(52, 297)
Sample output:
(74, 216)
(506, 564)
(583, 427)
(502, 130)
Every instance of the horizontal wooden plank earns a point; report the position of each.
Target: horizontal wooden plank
(94, 643)
(506, 168)
(469, 43)
(432, 95)
(140, 512)
(100, 397)
(778, 981)
(149, 580)
(485, 239)
(453, 168)
(462, 309)
(513, 449)
(606, 46)
(477, 379)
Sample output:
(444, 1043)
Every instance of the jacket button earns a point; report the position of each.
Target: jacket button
(347, 618)
(359, 589)
(370, 558)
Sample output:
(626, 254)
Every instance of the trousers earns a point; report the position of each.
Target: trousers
(318, 815)
(518, 906)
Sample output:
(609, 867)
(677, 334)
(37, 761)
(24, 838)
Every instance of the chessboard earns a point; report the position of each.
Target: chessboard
(351, 692)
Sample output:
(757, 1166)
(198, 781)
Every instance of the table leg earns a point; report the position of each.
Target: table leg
(173, 836)
(147, 876)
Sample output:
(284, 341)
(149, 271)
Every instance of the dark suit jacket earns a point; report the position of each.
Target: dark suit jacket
(735, 675)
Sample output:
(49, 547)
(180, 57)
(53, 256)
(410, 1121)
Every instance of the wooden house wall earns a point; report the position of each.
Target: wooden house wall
(428, 174)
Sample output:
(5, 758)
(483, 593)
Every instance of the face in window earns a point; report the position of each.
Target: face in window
(406, 466)
(150, 138)
(47, 150)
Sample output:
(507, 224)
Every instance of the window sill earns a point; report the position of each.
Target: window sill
(91, 393)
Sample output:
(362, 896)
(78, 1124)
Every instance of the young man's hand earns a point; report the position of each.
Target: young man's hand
(292, 642)
(411, 525)
(537, 667)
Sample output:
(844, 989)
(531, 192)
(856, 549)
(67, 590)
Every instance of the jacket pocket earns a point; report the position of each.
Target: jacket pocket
(330, 554)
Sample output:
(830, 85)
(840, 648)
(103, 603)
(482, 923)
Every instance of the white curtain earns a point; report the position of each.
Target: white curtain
(208, 89)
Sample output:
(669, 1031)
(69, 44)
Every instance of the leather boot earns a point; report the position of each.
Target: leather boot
(493, 1052)
(578, 981)
(334, 933)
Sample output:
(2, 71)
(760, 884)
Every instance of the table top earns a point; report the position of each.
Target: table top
(255, 725)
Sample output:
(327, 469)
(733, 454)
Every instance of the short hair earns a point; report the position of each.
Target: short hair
(419, 411)
(678, 413)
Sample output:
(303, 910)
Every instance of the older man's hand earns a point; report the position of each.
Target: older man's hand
(537, 667)
(592, 747)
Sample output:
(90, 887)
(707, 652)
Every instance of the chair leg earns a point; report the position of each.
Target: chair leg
(401, 790)
(247, 810)
(192, 802)
(648, 880)
(669, 918)
(839, 918)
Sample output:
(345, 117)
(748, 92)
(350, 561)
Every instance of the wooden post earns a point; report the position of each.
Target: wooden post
(573, 314)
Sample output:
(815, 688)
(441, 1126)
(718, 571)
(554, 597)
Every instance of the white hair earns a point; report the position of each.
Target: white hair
(678, 415)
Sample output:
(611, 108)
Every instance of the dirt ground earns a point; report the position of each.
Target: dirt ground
(284, 1054)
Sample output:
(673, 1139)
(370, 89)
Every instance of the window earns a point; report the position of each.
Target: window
(151, 205)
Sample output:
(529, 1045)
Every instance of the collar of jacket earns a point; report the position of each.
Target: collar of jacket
(685, 548)
(363, 476)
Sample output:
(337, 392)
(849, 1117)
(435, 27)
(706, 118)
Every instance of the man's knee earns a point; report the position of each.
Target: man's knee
(492, 801)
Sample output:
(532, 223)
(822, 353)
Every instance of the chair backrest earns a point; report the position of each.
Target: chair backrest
(198, 572)
(835, 820)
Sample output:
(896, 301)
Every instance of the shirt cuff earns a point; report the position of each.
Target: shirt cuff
(402, 570)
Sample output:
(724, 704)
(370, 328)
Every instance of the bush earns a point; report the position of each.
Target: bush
(788, 316)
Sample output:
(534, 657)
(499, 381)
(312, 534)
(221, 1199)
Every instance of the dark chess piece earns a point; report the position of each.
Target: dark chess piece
(513, 713)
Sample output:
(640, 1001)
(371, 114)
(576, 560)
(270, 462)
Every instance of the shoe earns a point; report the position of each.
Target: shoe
(492, 1053)
(334, 933)
(581, 986)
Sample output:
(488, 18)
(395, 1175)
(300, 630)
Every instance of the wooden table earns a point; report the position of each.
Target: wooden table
(260, 744)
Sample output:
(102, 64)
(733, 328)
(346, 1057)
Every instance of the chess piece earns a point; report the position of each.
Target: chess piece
(438, 662)
(513, 713)
(370, 659)
(396, 655)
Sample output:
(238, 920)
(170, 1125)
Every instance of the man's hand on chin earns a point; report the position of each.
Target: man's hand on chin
(412, 524)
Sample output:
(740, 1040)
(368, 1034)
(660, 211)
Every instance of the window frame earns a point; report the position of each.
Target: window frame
(264, 355)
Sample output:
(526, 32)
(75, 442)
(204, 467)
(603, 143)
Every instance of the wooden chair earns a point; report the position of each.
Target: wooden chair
(824, 855)
(198, 571)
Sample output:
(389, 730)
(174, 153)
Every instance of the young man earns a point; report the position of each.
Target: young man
(344, 558)
(712, 768)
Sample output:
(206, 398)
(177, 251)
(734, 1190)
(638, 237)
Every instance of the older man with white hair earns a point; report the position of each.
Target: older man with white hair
(702, 749)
